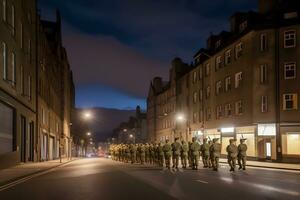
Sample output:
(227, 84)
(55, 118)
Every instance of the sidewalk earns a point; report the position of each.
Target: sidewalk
(271, 165)
(23, 170)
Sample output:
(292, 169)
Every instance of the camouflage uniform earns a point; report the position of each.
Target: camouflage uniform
(205, 153)
(176, 148)
(232, 152)
(195, 147)
(184, 154)
(215, 152)
(160, 154)
(167, 153)
(242, 154)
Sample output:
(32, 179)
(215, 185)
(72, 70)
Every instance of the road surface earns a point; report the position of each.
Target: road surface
(101, 179)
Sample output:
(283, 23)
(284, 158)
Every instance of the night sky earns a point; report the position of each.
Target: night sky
(116, 47)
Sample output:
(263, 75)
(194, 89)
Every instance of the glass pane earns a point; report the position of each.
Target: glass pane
(6, 129)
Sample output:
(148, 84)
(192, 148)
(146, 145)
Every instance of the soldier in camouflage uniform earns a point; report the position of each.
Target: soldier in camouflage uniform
(195, 147)
(167, 148)
(215, 152)
(242, 154)
(209, 159)
(147, 153)
(139, 153)
(143, 154)
(205, 153)
(232, 152)
(184, 154)
(190, 155)
(160, 153)
(176, 148)
(133, 150)
(152, 153)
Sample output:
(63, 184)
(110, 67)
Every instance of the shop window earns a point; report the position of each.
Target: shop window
(290, 101)
(291, 143)
(6, 129)
(290, 39)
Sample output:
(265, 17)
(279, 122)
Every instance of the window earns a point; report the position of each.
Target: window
(29, 50)
(4, 10)
(21, 36)
(13, 20)
(238, 107)
(238, 50)
(200, 95)
(4, 60)
(219, 112)
(200, 73)
(227, 84)
(194, 117)
(208, 92)
(207, 69)
(228, 110)
(290, 15)
(290, 101)
(6, 129)
(13, 69)
(290, 39)
(264, 104)
(218, 87)
(218, 44)
(263, 74)
(290, 70)
(195, 97)
(43, 116)
(208, 114)
(195, 77)
(29, 87)
(218, 62)
(243, 26)
(22, 80)
(263, 42)
(238, 79)
(200, 116)
(227, 57)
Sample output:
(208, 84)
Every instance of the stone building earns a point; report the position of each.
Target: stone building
(17, 81)
(245, 84)
(55, 92)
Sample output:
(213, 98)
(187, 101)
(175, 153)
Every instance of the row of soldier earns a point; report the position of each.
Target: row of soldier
(188, 153)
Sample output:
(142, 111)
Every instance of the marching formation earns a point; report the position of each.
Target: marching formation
(163, 154)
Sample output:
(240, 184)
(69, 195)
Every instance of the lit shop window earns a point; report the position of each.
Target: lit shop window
(291, 143)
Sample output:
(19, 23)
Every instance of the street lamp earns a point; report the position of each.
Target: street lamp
(88, 133)
(180, 118)
(87, 115)
(131, 136)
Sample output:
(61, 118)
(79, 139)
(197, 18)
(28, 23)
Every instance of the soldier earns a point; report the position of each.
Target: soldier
(242, 154)
(143, 153)
(167, 153)
(160, 154)
(195, 147)
(215, 152)
(209, 159)
(205, 153)
(138, 153)
(147, 153)
(133, 150)
(184, 154)
(152, 153)
(232, 152)
(190, 155)
(176, 152)
(128, 155)
(120, 153)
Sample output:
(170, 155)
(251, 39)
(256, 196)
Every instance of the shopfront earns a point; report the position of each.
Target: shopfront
(210, 134)
(266, 141)
(6, 129)
(199, 135)
(228, 133)
(290, 137)
(247, 132)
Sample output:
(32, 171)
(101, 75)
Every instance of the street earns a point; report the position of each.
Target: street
(99, 178)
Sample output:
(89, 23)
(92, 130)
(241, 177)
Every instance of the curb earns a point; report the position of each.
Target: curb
(9, 183)
(268, 167)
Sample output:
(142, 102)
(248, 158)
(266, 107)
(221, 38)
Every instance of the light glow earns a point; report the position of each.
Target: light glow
(227, 130)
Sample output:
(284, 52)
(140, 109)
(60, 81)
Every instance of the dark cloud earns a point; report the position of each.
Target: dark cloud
(124, 43)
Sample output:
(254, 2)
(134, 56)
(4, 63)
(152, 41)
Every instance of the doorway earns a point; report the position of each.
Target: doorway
(23, 139)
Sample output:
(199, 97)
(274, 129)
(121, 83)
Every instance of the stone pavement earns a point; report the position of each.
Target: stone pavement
(271, 165)
(23, 170)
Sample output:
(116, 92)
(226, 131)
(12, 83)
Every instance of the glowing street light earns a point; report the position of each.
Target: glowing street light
(180, 118)
(125, 130)
(131, 136)
(88, 133)
(87, 115)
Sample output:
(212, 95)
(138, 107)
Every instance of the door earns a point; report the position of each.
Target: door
(31, 142)
(23, 139)
(51, 148)
(268, 150)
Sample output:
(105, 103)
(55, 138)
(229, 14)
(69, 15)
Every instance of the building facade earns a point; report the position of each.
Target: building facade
(245, 84)
(17, 82)
(55, 98)
(36, 86)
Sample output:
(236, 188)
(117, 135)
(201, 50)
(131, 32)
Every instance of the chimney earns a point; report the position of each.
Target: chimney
(266, 6)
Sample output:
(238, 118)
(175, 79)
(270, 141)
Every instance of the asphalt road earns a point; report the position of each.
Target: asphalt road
(101, 179)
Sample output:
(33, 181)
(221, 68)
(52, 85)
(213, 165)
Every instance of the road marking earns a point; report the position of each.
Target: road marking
(22, 180)
(200, 181)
